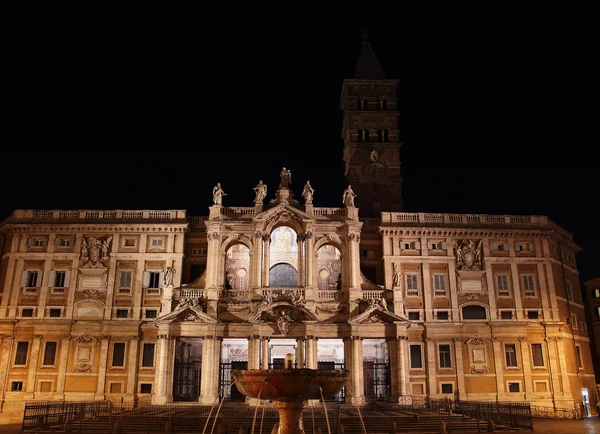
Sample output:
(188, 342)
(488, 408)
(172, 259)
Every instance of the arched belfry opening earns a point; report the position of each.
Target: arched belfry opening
(237, 267)
(283, 258)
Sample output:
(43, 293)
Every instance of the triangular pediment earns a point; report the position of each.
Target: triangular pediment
(376, 314)
(284, 213)
(186, 313)
(272, 311)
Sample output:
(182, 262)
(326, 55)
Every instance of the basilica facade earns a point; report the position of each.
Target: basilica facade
(159, 306)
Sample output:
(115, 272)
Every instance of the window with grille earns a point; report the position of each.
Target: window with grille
(415, 357)
(125, 278)
(49, 354)
(439, 285)
(528, 285)
(474, 312)
(502, 285)
(148, 356)
(151, 313)
(21, 355)
(537, 355)
(122, 313)
(16, 386)
(412, 285)
(444, 352)
(510, 353)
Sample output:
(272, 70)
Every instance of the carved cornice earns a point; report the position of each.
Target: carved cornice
(393, 230)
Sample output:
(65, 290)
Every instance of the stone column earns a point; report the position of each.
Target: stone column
(525, 360)
(353, 360)
(6, 343)
(100, 387)
(211, 362)
(310, 257)
(460, 369)
(258, 260)
(427, 292)
(403, 366)
(497, 346)
(431, 358)
(164, 393)
(253, 352)
(393, 345)
(267, 260)
(311, 352)
(299, 240)
(132, 367)
(516, 287)
(212, 260)
(353, 240)
(265, 353)
(33, 363)
(299, 353)
(62, 367)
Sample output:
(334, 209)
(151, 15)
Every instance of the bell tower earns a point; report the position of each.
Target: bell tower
(371, 136)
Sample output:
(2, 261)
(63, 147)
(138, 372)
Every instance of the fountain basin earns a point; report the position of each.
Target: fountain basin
(289, 385)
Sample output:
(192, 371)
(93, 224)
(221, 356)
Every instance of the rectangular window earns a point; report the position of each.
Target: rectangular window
(21, 355)
(578, 355)
(597, 293)
(514, 387)
(156, 242)
(537, 355)
(122, 313)
(414, 316)
(445, 360)
(16, 386)
(154, 280)
(533, 314)
(506, 314)
(574, 321)
(27, 312)
(412, 285)
(502, 284)
(64, 241)
(151, 313)
(439, 285)
(59, 279)
(442, 315)
(447, 387)
(415, 357)
(569, 289)
(49, 354)
(528, 285)
(510, 353)
(118, 358)
(125, 278)
(54, 313)
(146, 388)
(148, 356)
(32, 277)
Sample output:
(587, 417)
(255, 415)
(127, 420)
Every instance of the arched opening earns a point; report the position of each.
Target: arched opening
(283, 276)
(474, 311)
(330, 268)
(237, 266)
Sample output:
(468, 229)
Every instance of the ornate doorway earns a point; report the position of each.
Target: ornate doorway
(283, 276)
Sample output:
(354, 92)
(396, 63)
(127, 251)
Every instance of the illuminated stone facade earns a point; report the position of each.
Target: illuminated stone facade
(157, 306)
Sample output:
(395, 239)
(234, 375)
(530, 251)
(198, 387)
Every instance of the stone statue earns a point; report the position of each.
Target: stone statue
(396, 277)
(348, 198)
(383, 302)
(308, 192)
(468, 255)
(169, 274)
(105, 245)
(84, 249)
(286, 178)
(218, 194)
(261, 192)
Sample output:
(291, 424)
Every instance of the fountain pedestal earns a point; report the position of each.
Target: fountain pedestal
(290, 417)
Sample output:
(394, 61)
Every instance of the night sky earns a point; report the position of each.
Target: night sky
(113, 105)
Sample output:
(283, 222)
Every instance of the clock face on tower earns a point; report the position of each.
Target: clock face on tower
(375, 171)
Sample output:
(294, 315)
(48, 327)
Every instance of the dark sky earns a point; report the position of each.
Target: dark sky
(118, 104)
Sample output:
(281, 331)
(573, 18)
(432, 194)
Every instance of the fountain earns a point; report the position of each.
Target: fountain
(289, 389)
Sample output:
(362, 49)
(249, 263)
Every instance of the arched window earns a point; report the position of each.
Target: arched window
(237, 266)
(283, 264)
(474, 312)
(330, 267)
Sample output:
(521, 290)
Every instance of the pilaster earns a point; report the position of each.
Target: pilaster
(427, 292)
(132, 367)
(267, 259)
(300, 353)
(516, 287)
(498, 349)
(460, 369)
(43, 295)
(526, 361)
(62, 367)
(431, 367)
(33, 366)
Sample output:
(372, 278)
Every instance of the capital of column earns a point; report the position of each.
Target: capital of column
(213, 338)
(254, 338)
(311, 337)
(264, 338)
(6, 336)
(165, 337)
(212, 236)
(397, 338)
(308, 235)
(353, 338)
(258, 234)
(354, 237)
(522, 338)
(459, 340)
(266, 238)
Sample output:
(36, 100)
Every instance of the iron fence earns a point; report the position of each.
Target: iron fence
(556, 413)
(418, 414)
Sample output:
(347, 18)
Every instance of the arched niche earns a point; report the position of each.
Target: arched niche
(237, 266)
(329, 267)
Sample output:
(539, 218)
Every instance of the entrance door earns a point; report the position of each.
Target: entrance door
(376, 375)
(236, 395)
(283, 276)
(586, 403)
(186, 381)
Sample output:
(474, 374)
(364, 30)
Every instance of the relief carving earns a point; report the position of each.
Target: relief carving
(468, 255)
